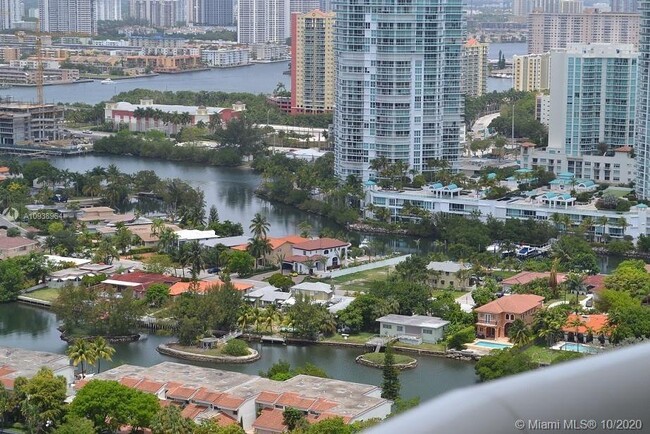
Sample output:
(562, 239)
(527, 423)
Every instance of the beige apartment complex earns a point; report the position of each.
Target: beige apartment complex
(312, 62)
(555, 30)
(475, 68)
(531, 72)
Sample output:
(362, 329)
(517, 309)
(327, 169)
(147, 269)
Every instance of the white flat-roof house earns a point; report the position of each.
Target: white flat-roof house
(185, 235)
(415, 328)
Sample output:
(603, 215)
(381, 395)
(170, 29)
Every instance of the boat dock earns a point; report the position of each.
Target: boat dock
(273, 339)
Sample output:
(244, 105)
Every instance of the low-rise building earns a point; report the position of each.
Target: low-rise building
(17, 362)
(148, 116)
(207, 393)
(319, 254)
(20, 76)
(266, 296)
(415, 328)
(138, 282)
(316, 291)
(586, 328)
(269, 52)
(202, 286)
(16, 246)
(186, 235)
(281, 247)
(449, 274)
(103, 214)
(526, 277)
(496, 317)
(225, 57)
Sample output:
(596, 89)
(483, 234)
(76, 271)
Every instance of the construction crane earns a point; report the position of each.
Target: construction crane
(39, 78)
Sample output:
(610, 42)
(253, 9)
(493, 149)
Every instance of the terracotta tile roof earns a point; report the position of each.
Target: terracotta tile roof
(192, 410)
(626, 148)
(15, 242)
(528, 145)
(322, 405)
(79, 384)
(145, 279)
(206, 395)
(229, 402)
(302, 258)
(595, 283)
(181, 392)
(516, 303)
(222, 419)
(130, 381)
(4, 169)
(270, 420)
(471, 42)
(5, 370)
(179, 288)
(595, 322)
(267, 397)
(528, 276)
(8, 383)
(290, 399)
(320, 243)
(150, 386)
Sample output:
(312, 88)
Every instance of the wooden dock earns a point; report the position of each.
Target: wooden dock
(273, 339)
(34, 301)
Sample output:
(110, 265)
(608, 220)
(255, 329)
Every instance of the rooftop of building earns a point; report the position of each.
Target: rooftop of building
(320, 244)
(525, 277)
(447, 266)
(515, 303)
(313, 286)
(167, 108)
(414, 321)
(15, 242)
(577, 323)
(17, 362)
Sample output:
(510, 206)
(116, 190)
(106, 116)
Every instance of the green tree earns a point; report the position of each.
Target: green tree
(12, 280)
(241, 263)
(390, 385)
(80, 353)
(110, 404)
(460, 338)
(157, 294)
(168, 420)
(5, 405)
(101, 350)
(259, 226)
(281, 281)
(293, 418)
(44, 401)
(519, 333)
(236, 348)
(501, 363)
(630, 276)
(76, 425)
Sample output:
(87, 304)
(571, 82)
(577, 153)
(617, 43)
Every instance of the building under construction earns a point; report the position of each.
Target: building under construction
(24, 124)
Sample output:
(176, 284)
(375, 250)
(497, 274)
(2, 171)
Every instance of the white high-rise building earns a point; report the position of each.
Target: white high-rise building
(642, 133)
(159, 13)
(303, 6)
(593, 89)
(109, 10)
(11, 12)
(398, 83)
(262, 21)
(68, 16)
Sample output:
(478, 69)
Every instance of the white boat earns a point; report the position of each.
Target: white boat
(107, 81)
(364, 243)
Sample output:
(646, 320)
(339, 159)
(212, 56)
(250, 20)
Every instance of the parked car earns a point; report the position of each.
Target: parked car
(87, 132)
(213, 270)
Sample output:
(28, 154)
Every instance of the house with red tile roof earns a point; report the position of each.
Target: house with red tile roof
(526, 277)
(270, 421)
(319, 254)
(138, 281)
(584, 328)
(202, 286)
(496, 317)
(281, 247)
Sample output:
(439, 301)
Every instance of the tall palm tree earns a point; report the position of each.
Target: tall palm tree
(81, 353)
(193, 255)
(271, 315)
(623, 224)
(259, 226)
(244, 317)
(257, 318)
(575, 282)
(157, 226)
(602, 221)
(258, 248)
(101, 350)
(588, 224)
(577, 322)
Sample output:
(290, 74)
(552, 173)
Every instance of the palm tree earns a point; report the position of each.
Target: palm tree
(552, 278)
(258, 248)
(244, 318)
(157, 226)
(623, 224)
(259, 226)
(167, 240)
(271, 315)
(519, 333)
(548, 323)
(575, 282)
(81, 353)
(101, 350)
(279, 258)
(566, 223)
(257, 318)
(576, 322)
(588, 224)
(602, 221)
(193, 255)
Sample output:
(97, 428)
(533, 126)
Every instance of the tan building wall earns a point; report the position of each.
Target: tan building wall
(532, 72)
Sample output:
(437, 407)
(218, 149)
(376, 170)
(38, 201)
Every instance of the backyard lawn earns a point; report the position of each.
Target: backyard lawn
(362, 280)
(47, 294)
(360, 338)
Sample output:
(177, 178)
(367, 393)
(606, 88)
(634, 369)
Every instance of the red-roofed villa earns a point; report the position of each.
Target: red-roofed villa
(496, 317)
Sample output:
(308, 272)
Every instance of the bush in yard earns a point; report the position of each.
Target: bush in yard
(236, 348)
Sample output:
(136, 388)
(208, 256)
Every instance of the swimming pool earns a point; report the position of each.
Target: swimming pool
(579, 348)
(493, 345)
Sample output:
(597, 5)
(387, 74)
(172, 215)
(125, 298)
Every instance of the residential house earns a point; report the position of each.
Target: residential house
(526, 277)
(281, 248)
(320, 254)
(414, 329)
(266, 296)
(202, 286)
(17, 362)
(185, 235)
(16, 246)
(138, 281)
(142, 232)
(496, 317)
(584, 328)
(449, 274)
(103, 214)
(316, 291)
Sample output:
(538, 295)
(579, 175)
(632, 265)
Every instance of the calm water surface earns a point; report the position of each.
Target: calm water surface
(35, 329)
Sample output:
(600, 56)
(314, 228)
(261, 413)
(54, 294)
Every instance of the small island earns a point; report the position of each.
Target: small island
(211, 349)
(376, 360)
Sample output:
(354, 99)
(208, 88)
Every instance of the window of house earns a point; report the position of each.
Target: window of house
(386, 326)
(427, 331)
(326, 252)
(400, 328)
(442, 282)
